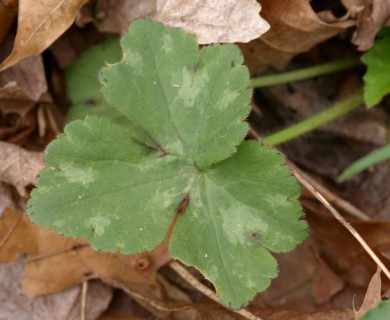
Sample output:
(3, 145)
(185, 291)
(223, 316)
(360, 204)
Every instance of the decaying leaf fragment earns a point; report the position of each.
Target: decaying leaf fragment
(18, 166)
(373, 295)
(116, 16)
(211, 21)
(295, 28)
(371, 16)
(40, 23)
(22, 85)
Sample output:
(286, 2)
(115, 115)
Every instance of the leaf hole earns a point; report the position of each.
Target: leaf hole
(142, 263)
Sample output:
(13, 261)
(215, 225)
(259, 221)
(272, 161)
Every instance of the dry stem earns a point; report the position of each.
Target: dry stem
(182, 272)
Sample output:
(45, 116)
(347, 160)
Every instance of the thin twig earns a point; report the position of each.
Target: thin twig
(156, 304)
(330, 196)
(182, 272)
(344, 222)
(84, 292)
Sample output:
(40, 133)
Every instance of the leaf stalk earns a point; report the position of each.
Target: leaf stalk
(334, 112)
(306, 73)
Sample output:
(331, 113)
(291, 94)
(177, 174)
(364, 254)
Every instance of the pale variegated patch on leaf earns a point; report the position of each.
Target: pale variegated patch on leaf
(120, 186)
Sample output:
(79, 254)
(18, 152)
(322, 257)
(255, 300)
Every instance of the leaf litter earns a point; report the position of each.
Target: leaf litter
(371, 194)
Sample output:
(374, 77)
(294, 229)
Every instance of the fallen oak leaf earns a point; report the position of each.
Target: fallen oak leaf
(19, 167)
(40, 23)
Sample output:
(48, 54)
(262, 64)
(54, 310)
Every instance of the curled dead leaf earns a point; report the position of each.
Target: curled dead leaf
(39, 24)
(295, 28)
(373, 295)
(372, 17)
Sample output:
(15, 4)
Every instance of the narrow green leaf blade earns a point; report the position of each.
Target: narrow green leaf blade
(238, 212)
(165, 83)
(375, 157)
(377, 77)
(381, 312)
(100, 185)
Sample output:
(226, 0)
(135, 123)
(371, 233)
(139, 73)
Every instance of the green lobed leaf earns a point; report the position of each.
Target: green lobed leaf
(84, 89)
(381, 312)
(374, 157)
(83, 86)
(172, 84)
(377, 77)
(105, 183)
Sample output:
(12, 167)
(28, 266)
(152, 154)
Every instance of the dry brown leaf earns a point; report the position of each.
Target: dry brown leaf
(312, 285)
(18, 166)
(214, 21)
(373, 295)
(39, 24)
(349, 260)
(55, 263)
(22, 86)
(334, 314)
(24, 81)
(295, 28)
(60, 306)
(210, 21)
(75, 264)
(6, 199)
(370, 21)
(8, 13)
